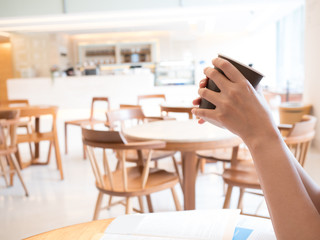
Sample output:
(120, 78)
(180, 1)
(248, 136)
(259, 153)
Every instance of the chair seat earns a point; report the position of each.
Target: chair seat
(158, 180)
(242, 175)
(223, 154)
(79, 122)
(132, 155)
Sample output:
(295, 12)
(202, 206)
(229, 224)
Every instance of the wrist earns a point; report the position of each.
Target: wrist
(263, 137)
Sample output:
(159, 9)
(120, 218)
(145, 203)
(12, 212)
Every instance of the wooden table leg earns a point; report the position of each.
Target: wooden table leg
(189, 167)
(37, 144)
(65, 138)
(57, 153)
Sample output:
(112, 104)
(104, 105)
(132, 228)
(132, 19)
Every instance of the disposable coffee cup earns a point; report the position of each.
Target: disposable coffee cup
(252, 75)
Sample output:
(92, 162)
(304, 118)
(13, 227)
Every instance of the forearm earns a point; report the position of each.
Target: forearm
(311, 187)
(288, 201)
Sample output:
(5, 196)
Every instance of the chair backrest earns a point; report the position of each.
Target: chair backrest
(300, 137)
(124, 115)
(167, 110)
(291, 113)
(8, 125)
(95, 139)
(151, 96)
(151, 103)
(98, 99)
(129, 106)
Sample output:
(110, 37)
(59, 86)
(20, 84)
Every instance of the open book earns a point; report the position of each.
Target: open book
(199, 224)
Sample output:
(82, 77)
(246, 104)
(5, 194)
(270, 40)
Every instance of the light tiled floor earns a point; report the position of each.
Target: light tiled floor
(54, 203)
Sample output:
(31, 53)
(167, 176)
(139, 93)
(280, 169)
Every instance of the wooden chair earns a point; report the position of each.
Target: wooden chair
(38, 136)
(122, 116)
(245, 177)
(91, 120)
(25, 123)
(292, 112)
(147, 118)
(167, 110)
(8, 147)
(151, 101)
(128, 182)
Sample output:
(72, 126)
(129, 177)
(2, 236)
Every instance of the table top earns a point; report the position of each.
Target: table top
(177, 105)
(188, 132)
(294, 105)
(94, 230)
(33, 110)
(28, 107)
(88, 230)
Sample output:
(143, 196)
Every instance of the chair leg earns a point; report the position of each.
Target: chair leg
(49, 153)
(30, 147)
(226, 203)
(18, 157)
(84, 152)
(65, 138)
(58, 156)
(17, 168)
(141, 204)
(224, 188)
(128, 205)
(224, 185)
(3, 166)
(156, 164)
(175, 164)
(202, 165)
(98, 206)
(240, 199)
(149, 202)
(176, 200)
(109, 202)
(12, 170)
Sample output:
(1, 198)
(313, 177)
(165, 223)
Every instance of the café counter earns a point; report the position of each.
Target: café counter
(77, 91)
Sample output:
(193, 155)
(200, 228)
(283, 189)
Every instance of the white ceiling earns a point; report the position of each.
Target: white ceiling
(219, 19)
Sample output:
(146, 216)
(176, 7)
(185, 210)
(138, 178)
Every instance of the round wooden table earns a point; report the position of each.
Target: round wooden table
(89, 230)
(186, 137)
(95, 230)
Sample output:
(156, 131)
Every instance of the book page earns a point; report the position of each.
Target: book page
(262, 228)
(198, 224)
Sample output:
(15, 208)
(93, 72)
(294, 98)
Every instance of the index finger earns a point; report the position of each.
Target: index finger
(228, 69)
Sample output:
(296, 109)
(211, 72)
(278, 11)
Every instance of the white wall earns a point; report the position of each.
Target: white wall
(257, 47)
(98, 5)
(14, 8)
(36, 53)
(312, 67)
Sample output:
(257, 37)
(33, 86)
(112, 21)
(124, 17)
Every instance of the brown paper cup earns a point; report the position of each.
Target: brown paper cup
(252, 75)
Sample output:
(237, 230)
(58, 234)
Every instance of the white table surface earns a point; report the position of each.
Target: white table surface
(178, 131)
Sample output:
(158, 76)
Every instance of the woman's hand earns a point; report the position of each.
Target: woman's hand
(239, 107)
